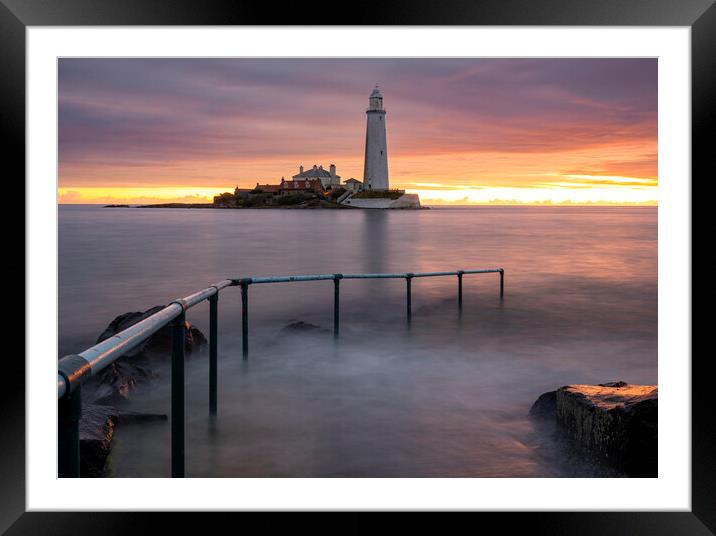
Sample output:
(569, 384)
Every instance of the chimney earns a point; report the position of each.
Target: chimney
(333, 170)
(300, 169)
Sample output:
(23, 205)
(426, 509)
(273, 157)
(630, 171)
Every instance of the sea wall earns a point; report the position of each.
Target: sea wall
(405, 201)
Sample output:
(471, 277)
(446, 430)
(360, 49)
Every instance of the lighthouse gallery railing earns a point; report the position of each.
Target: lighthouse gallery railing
(73, 370)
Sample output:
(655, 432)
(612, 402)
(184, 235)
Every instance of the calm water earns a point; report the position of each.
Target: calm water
(447, 396)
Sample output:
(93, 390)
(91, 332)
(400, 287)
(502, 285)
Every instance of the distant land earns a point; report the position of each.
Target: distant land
(312, 197)
(260, 203)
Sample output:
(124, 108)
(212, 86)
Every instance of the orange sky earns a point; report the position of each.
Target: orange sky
(465, 131)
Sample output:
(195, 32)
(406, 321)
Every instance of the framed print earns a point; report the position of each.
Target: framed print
(417, 258)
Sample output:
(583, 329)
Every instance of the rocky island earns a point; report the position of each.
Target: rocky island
(263, 197)
(319, 188)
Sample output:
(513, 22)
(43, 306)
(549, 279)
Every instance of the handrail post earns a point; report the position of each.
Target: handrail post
(177, 426)
(213, 351)
(245, 317)
(408, 280)
(68, 444)
(460, 273)
(336, 303)
(502, 283)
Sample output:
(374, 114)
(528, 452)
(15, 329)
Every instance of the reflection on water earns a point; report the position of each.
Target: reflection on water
(447, 398)
(375, 230)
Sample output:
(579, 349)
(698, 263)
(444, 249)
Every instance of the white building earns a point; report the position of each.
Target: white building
(327, 178)
(375, 171)
(353, 185)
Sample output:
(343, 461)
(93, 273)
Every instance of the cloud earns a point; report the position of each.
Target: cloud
(214, 122)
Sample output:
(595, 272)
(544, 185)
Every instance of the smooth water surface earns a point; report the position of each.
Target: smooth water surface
(446, 396)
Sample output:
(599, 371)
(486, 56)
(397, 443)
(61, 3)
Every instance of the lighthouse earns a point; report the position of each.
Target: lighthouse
(375, 170)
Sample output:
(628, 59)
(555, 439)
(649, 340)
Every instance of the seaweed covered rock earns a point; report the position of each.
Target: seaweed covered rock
(614, 422)
(97, 425)
(113, 386)
(115, 383)
(160, 343)
(96, 431)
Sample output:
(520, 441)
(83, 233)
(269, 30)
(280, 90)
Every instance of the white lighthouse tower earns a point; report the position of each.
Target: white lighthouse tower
(375, 171)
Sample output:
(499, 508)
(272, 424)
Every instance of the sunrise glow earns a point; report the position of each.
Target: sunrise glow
(461, 131)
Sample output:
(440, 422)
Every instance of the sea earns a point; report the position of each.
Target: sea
(444, 395)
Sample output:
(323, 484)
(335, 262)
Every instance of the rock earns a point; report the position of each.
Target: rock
(615, 422)
(116, 382)
(299, 327)
(96, 426)
(159, 344)
(545, 407)
(138, 416)
(614, 384)
(114, 385)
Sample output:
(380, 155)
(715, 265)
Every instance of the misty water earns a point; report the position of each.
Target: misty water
(446, 396)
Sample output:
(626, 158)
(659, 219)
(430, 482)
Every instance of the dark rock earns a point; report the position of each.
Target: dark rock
(138, 416)
(545, 407)
(640, 453)
(96, 426)
(159, 344)
(115, 383)
(299, 327)
(615, 422)
(614, 384)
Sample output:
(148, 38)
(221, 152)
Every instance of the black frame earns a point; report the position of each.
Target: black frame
(700, 15)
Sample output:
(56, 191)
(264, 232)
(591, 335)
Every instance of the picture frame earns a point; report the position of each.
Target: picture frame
(699, 15)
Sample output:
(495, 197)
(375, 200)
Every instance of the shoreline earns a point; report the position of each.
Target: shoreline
(318, 206)
(331, 206)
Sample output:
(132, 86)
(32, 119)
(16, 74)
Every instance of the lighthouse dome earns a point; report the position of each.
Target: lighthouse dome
(375, 101)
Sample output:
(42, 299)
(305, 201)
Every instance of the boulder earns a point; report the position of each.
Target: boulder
(545, 407)
(138, 416)
(96, 426)
(299, 327)
(615, 423)
(159, 344)
(115, 383)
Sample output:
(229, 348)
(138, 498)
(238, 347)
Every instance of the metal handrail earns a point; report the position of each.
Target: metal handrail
(323, 277)
(74, 370)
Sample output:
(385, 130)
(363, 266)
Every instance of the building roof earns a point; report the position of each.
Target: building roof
(316, 172)
(308, 184)
(268, 188)
(354, 180)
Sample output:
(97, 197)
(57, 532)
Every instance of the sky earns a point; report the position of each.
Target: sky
(460, 131)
